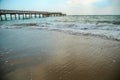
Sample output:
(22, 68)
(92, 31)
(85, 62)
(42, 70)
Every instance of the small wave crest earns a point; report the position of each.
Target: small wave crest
(109, 22)
(26, 24)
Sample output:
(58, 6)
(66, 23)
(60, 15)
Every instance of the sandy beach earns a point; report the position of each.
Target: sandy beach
(27, 54)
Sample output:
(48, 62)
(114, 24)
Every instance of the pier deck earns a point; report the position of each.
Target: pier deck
(26, 14)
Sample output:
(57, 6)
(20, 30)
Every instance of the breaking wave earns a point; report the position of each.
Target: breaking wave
(100, 26)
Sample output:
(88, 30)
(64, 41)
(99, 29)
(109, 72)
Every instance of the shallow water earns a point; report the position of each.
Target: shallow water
(28, 54)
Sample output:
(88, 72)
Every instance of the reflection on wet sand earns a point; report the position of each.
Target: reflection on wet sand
(72, 58)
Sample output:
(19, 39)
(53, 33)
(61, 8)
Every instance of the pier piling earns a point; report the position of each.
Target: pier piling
(24, 14)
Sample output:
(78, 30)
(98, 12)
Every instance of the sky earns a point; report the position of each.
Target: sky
(70, 7)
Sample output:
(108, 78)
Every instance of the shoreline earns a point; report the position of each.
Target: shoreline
(89, 35)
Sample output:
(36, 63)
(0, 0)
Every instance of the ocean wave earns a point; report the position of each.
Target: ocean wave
(108, 32)
(101, 26)
(26, 24)
(109, 22)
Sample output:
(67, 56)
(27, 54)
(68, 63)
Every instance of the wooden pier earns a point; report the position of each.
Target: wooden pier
(21, 14)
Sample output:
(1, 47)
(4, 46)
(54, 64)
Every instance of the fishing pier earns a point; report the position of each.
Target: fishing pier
(22, 14)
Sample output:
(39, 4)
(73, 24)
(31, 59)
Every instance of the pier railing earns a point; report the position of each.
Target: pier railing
(26, 14)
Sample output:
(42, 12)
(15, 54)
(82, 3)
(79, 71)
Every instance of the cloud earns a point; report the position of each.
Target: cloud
(93, 7)
(82, 2)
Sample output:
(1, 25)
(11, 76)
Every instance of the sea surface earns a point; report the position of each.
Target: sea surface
(104, 26)
(40, 49)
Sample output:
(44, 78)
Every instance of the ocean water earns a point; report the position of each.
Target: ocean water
(36, 49)
(105, 26)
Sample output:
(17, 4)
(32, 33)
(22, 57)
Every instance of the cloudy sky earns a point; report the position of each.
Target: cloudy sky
(71, 7)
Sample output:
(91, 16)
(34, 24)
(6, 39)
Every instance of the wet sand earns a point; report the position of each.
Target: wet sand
(48, 55)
